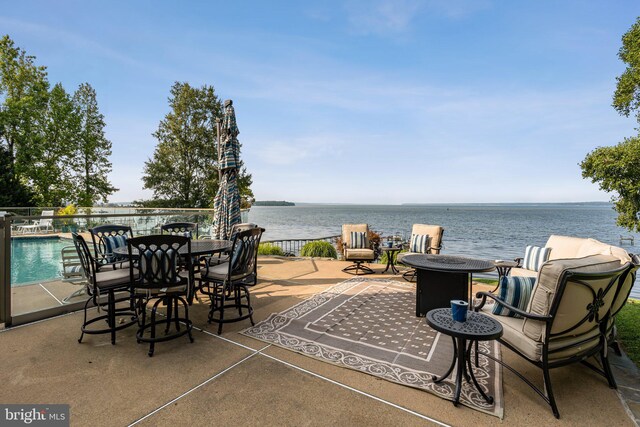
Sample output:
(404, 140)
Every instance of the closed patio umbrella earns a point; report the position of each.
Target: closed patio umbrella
(226, 204)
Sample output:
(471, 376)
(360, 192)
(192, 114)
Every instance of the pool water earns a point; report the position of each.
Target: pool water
(36, 260)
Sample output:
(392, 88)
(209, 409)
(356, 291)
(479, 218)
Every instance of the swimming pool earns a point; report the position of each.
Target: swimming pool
(36, 259)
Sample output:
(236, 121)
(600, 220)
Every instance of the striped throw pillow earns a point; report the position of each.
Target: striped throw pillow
(113, 242)
(420, 243)
(515, 291)
(358, 240)
(534, 257)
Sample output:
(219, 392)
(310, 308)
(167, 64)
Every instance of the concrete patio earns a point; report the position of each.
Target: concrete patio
(235, 379)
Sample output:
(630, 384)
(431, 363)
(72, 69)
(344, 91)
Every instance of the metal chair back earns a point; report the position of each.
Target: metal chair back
(159, 260)
(187, 229)
(104, 241)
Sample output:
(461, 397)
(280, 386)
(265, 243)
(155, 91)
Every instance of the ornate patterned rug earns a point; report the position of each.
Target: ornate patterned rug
(369, 325)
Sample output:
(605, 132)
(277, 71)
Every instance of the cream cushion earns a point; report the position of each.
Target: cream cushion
(564, 246)
(434, 232)
(532, 349)
(575, 297)
(523, 272)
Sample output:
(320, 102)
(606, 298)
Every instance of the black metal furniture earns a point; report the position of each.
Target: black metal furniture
(567, 318)
(106, 239)
(220, 281)
(391, 252)
(188, 229)
(107, 282)
(442, 278)
(478, 327)
(503, 267)
(157, 278)
(198, 248)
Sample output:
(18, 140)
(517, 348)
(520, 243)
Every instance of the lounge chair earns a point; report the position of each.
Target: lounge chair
(39, 225)
(357, 249)
(72, 271)
(567, 317)
(433, 245)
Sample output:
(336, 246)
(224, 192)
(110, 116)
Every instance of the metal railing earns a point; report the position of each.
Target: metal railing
(292, 247)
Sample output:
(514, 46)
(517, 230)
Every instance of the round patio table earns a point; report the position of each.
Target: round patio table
(198, 247)
(442, 278)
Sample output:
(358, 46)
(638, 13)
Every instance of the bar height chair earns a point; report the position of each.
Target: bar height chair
(235, 277)
(157, 278)
(107, 282)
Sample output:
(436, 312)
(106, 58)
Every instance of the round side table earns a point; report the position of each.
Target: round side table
(504, 268)
(391, 253)
(478, 327)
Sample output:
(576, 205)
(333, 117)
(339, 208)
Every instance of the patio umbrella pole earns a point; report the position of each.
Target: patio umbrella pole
(218, 124)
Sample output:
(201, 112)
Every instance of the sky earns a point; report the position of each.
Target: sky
(372, 102)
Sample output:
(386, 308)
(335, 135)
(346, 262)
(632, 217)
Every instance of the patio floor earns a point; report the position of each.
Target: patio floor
(235, 379)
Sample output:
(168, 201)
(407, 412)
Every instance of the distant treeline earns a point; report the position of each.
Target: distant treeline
(273, 203)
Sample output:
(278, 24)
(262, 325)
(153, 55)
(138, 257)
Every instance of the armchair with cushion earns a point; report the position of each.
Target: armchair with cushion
(419, 244)
(357, 248)
(566, 318)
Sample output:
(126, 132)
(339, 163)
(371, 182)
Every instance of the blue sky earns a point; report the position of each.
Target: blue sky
(381, 101)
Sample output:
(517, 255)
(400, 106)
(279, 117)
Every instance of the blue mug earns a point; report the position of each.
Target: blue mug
(389, 244)
(459, 310)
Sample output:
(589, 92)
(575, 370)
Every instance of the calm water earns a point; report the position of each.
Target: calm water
(35, 260)
(499, 231)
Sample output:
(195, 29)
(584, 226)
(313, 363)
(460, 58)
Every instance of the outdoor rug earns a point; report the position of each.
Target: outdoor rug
(370, 325)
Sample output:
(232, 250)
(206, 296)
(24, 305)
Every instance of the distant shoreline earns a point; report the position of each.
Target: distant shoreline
(461, 204)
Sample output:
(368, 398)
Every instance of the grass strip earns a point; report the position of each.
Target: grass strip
(628, 324)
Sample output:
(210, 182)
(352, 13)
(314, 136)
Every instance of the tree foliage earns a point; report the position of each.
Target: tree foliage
(49, 171)
(23, 98)
(91, 164)
(626, 98)
(14, 192)
(617, 169)
(183, 170)
(54, 149)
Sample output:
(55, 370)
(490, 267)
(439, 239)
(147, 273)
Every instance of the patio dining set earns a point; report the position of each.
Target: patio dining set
(129, 278)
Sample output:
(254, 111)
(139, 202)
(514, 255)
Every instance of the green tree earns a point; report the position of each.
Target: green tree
(50, 170)
(23, 103)
(626, 98)
(91, 163)
(183, 170)
(14, 192)
(617, 169)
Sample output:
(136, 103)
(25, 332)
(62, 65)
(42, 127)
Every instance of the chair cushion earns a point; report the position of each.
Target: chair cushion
(532, 349)
(358, 240)
(359, 254)
(433, 231)
(563, 247)
(521, 272)
(113, 242)
(534, 257)
(420, 243)
(106, 279)
(219, 273)
(515, 291)
(549, 279)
